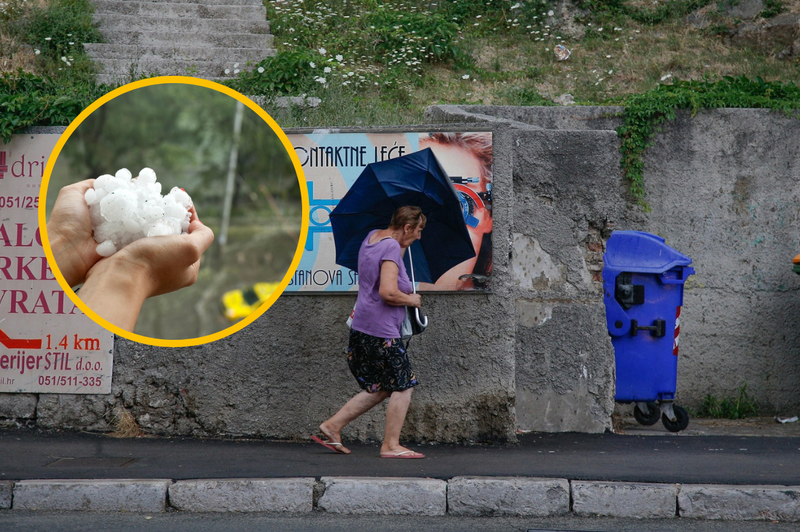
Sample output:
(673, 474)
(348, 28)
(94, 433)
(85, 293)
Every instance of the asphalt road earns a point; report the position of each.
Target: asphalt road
(669, 458)
(179, 522)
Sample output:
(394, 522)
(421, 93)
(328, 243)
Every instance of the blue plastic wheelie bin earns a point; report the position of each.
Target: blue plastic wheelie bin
(643, 282)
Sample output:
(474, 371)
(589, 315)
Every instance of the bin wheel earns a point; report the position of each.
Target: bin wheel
(681, 420)
(648, 418)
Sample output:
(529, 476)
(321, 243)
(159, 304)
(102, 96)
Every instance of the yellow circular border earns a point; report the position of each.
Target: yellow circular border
(186, 81)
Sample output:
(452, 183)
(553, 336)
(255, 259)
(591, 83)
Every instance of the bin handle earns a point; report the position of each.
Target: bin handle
(658, 329)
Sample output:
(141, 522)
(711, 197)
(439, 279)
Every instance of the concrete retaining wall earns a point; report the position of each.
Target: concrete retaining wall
(723, 188)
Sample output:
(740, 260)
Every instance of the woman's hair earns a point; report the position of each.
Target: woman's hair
(478, 144)
(407, 215)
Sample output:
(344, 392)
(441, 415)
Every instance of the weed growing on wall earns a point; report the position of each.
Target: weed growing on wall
(644, 113)
(739, 407)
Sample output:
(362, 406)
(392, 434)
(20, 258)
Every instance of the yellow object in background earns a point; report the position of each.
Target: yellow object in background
(238, 304)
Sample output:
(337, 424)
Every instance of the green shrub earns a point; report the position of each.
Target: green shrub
(29, 100)
(287, 73)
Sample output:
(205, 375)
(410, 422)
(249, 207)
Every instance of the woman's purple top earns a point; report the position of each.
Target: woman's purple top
(373, 315)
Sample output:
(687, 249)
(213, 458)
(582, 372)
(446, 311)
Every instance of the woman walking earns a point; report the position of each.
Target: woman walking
(376, 354)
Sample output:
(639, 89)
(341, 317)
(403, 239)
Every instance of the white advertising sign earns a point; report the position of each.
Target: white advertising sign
(47, 345)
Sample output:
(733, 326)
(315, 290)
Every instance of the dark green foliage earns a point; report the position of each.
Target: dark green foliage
(739, 407)
(644, 113)
(773, 8)
(29, 100)
(496, 15)
(672, 9)
(669, 10)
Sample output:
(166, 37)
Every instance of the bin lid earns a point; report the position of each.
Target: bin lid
(637, 251)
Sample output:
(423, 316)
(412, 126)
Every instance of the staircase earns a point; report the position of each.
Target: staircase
(179, 38)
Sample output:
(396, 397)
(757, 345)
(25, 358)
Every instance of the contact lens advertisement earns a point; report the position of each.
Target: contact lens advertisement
(333, 162)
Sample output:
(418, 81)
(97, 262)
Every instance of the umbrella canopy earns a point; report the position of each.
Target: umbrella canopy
(415, 179)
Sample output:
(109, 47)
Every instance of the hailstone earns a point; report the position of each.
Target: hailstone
(124, 210)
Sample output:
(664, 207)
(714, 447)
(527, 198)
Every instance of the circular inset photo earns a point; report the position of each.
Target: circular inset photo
(173, 211)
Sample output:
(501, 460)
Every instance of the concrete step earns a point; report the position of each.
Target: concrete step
(170, 67)
(111, 23)
(120, 79)
(171, 38)
(180, 10)
(103, 52)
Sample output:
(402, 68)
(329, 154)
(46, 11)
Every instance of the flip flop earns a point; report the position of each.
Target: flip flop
(332, 445)
(403, 454)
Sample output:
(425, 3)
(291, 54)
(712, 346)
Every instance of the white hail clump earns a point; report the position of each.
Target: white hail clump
(124, 210)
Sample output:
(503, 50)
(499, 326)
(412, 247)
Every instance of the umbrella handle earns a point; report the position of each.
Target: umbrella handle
(421, 323)
(411, 262)
(419, 320)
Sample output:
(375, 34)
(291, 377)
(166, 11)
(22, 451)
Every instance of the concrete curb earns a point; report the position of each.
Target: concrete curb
(624, 499)
(243, 495)
(741, 503)
(6, 491)
(462, 496)
(122, 495)
(531, 497)
(386, 496)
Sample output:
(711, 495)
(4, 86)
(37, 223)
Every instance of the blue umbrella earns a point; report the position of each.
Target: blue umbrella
(416, 179)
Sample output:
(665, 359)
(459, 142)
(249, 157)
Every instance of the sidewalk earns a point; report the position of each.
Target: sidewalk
(711, 471)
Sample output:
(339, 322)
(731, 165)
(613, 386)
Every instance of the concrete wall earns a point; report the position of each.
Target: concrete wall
(724, 188)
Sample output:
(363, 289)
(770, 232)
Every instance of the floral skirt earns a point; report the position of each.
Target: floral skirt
(379, 364)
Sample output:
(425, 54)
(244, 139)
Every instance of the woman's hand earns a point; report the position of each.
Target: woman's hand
(168, 263)
(69, 231)
(117, 286)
